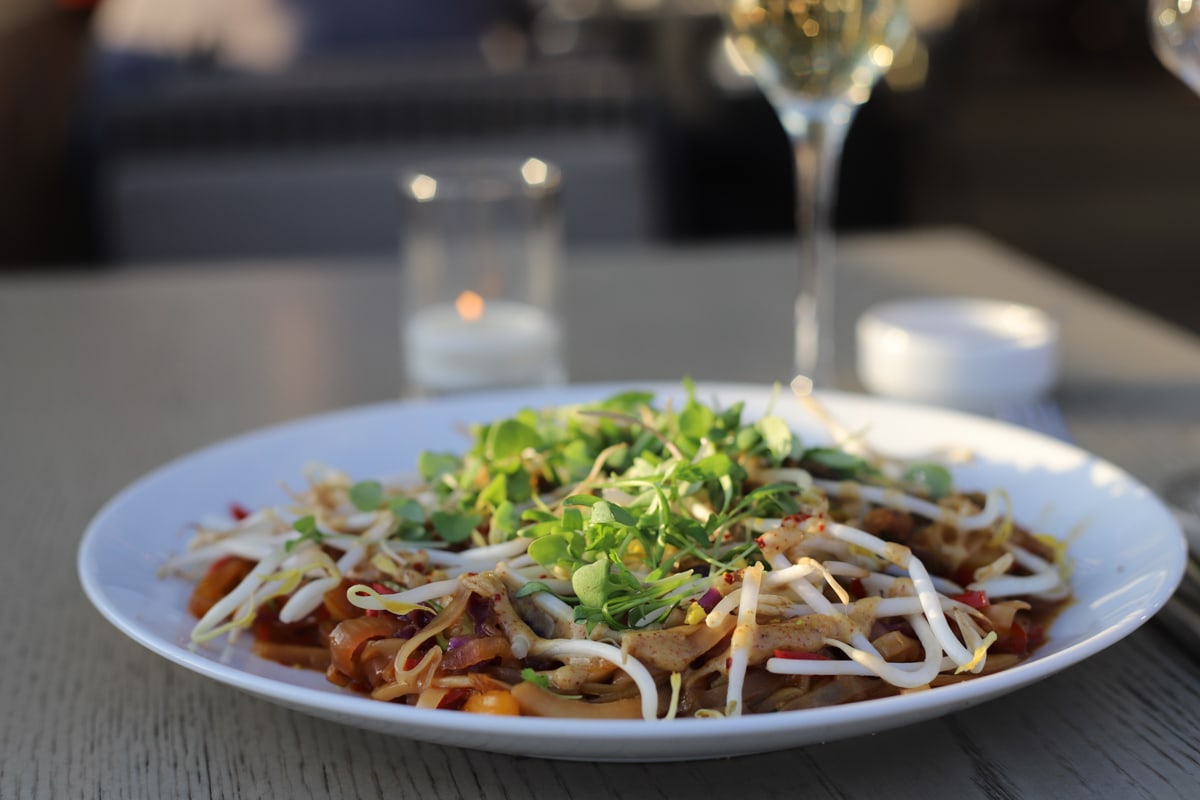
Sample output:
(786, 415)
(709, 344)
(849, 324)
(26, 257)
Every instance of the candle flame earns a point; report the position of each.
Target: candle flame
(469, 306)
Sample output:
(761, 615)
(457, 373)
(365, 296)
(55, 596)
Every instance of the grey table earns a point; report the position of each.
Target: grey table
(105, 376)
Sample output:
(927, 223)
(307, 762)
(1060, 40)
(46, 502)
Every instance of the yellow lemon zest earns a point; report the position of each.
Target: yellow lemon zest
(367, 598)
(980, 652)
(385, 565)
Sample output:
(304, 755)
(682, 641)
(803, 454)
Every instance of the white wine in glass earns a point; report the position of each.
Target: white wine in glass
(816, 61)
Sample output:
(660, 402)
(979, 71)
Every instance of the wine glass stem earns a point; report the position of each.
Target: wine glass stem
(816, 137)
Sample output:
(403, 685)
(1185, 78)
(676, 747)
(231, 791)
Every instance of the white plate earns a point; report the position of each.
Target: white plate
(1127, 550)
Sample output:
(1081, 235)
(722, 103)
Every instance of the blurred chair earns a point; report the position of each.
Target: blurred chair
(43, 203)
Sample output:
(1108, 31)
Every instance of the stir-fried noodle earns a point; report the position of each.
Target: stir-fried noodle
(622, 560)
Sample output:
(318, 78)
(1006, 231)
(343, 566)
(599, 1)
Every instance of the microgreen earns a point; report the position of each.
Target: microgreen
(307, 527)
(366, 495)
(663, 501)
(777, 438)
(935, 479)
(527, 674)
(839, 462)
(506, 520)
(411, 518)
(454, 526)
(433, 466)
(591, 582)
(508, 438)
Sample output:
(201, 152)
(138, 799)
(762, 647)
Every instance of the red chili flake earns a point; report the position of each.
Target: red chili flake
(977, 599)
(729, 577)
(794, 520)
(1017, 641)
(801, 655)
(238, 511)
(419, 567)
(759, 541)
(455, 698)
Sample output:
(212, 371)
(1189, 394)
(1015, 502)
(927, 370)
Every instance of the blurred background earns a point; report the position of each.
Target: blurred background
(178, 130)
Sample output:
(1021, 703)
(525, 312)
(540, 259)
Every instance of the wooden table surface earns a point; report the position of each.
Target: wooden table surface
(108, 375)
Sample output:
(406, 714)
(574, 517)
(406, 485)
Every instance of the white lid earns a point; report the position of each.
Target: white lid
(970, 353)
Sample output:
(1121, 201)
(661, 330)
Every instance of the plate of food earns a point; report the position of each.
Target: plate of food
(636, 573)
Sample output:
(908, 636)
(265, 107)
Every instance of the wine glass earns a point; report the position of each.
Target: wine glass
(1175, 35)
(816, 61)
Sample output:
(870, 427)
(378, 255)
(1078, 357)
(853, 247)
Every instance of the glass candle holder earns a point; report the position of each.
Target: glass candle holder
(482, 256)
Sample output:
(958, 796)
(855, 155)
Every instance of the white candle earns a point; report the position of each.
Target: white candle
(477, 345)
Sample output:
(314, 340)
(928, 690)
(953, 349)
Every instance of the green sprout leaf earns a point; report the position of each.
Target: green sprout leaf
(572, 519)
(533, 587)
(411, 516)
(433, 466)
(506, 520)
(367, 495)
(627, 402)
(934, 478)
(508, 438)
(307, 526)
(453, 526)
(495, 493)
(604, 511)
(551, 549)
(527, 674)
(777, 436)
(843, 463)
(591, 583)
(407, 510)
(696, 421)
